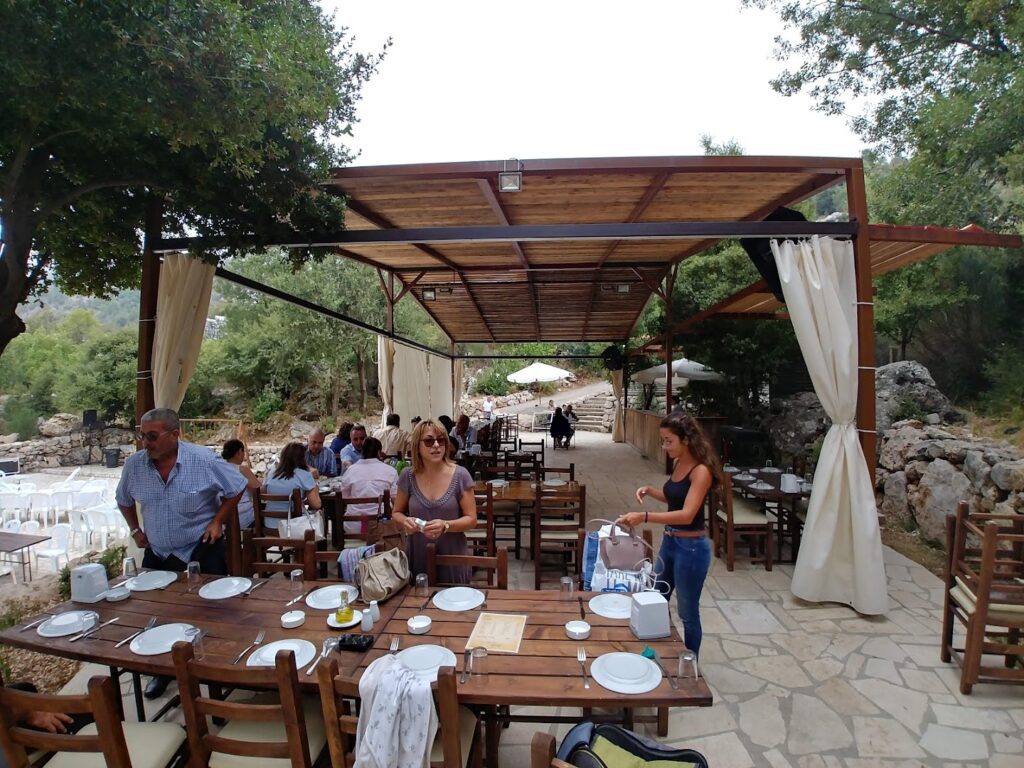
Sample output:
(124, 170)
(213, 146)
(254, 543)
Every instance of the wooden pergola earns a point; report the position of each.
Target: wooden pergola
(578, 253)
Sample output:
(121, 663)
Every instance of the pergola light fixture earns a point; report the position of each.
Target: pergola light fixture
(510, 180)
(615, 287)
(429, 294)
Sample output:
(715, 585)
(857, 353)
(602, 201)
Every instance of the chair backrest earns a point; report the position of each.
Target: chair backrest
(262, 514)
(565, 473)
(257, 552)
(30, 526)
(496, 567)
(12, 526)
(485, 520)
(535, 447)
(18, 741)
(336, 691)
(60, 534)
(382, 510)
(96, 518)
(287, 708)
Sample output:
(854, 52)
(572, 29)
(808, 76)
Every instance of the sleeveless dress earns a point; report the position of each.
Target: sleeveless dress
(444, 508)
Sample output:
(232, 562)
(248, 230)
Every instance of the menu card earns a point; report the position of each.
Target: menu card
(498, 632)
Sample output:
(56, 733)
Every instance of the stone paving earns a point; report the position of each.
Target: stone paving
(800, 684)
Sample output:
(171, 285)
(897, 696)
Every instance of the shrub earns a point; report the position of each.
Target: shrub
(1005, 374)
(21, 417)
(907, 408)
(492, 382)
(111, 559)
(266, 405)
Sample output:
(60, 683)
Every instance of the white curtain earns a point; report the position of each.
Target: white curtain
(182, 302)
(618, 428)
(458, 382)
(385, 375)
(840, 556)
(421, 384)
(440, 380)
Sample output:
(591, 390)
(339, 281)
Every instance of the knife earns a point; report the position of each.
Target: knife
(94, 629)
(583, 613)
(253, 588)
(671, 680)
(37, 621)
(467, 657)
(303, 596)
(427, 601)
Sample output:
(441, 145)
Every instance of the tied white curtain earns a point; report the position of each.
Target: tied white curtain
(440, 384)
(458, 379)
(618, 428)
(385, 375)
(840, 556)
(182, 302)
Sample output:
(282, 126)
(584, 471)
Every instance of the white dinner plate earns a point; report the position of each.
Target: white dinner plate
(357, 616)
(770, 470)
(160, 639)
(326, 598)
(67, 623)
(498, 483)
(458, 599)
(625, 672)
(744, 476)
(760, 486)
(150, 580)
(612, 605)
(555, 482)
(264, 655)
(425, 660)
(729, 469)
(225, 588)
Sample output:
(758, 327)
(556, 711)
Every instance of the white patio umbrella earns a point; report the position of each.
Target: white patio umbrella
(536, 373)
(681, 369)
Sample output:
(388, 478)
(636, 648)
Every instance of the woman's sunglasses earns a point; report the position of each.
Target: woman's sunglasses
(430, 440)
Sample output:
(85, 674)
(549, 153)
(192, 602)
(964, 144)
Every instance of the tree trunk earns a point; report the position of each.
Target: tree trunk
(361, 370)
(15, 285)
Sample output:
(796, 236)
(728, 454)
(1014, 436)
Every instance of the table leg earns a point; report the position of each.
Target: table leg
(492, 736)
(140, 705)
(663, 721)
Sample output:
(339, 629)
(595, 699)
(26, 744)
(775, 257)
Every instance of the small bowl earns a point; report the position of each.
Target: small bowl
(117, 594)
(419, 625)
(577, 630)
(293, 619)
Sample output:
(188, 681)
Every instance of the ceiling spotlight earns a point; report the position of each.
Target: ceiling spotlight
(510, 179)
(622, 288)
(429, 294)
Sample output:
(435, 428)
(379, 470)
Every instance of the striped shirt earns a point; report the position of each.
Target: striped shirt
(177, 512)
(323, 462)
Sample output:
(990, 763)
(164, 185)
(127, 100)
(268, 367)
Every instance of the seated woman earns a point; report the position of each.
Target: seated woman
(235, 454)
(368, 477)
(463, 433)
(291, 473)
(561, 430)
(435, 489)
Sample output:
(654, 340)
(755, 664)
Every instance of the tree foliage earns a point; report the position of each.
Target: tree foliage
(232, 110)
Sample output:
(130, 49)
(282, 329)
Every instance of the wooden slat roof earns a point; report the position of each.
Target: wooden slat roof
(536, 265)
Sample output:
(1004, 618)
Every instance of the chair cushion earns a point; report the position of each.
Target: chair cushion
(745, 512)
(150, 745)
(998, 613)
(467, 730)
(269, 732)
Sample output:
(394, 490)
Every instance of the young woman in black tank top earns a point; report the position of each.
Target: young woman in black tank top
(685, 555)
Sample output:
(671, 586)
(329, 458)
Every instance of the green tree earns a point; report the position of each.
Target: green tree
(105, 378)
(232, 111)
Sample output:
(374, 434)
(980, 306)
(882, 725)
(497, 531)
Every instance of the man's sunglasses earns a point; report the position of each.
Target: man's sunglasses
(430, 440)
(150, 437)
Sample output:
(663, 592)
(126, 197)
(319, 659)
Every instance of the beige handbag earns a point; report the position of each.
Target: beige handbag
(381, 576)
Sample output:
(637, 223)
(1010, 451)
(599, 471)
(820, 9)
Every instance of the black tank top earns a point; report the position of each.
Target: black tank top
(675, 494)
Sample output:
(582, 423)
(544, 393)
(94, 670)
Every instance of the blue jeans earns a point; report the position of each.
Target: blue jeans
(683, 566)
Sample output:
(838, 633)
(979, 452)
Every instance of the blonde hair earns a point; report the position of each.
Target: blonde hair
(417, 437)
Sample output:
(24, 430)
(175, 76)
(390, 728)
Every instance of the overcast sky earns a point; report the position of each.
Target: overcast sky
(562, 78)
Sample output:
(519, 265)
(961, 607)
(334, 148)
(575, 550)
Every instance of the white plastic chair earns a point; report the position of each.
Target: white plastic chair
(60, 534)
(12, 526)
(62, 501)
(30, 527)
(98, 525)
(42, 504)
(79, 527)
(16, 503)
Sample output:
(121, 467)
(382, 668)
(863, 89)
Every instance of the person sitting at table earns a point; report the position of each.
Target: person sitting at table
(353, 452)
(393, 439)
(447, 423)
(570, 414)
(463, 433)
(369, 477)
(342, 438)
(291, 473)
(40, 720)
(321, 461)
(235, 454)
(561, 430)
(436, 490)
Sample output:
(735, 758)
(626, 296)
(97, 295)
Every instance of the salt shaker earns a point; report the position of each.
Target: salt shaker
(374, 611)
(367, 621)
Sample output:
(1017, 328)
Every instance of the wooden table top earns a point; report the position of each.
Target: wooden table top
(775, 493)
(544, 672)
(12, 542)
(525, 490)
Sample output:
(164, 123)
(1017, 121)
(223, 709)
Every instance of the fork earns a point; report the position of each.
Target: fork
(256, 585)
(394, 645)
(259, 639)
(329, 644)
(581, 657)
(149, 625)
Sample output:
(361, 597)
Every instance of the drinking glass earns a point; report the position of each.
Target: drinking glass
(421, 584)
(195, 636)
(768, 463)
(193, 575)
(295, 578)
(89, 620)
(687, 665)
(478, 665)
(567, 586)
(809, 478)
(128, 568)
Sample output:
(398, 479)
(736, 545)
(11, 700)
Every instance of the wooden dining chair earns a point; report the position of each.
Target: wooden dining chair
(481, 538)
(262, 514)
(558, 515)
(457, 744)
(736, 518)
(106, 741)
(535, 447)
(263, 556)
(342, 539)
(495, 568)
(276, 729)
(508, 514)
(563, 473)
(543, 749)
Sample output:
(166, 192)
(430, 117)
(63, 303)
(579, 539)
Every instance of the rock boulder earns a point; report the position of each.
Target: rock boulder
(941, 489)
(60, 424)
(904, 381)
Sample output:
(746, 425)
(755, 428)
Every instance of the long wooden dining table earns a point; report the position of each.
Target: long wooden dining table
(544, 673)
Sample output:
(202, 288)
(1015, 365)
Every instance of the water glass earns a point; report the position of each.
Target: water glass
(195, 636)
(567, 586)
(768, 463)
(421, 584)
(295, 579)
(89, 620)
(128, 568)
(193, 575)
(478, 665)
(687, 665)
(809, 478)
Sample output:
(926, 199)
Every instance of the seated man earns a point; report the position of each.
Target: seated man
(353, 452)
(318, 458)
(393, 439)
(561, 430)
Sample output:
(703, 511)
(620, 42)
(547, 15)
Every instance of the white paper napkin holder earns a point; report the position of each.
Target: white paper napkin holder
(648, 616)
(89, 583)
(790, 483)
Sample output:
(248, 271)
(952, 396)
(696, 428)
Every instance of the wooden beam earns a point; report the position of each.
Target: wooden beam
(144, 396)
(970, 235)
(655, 288)
(858, 204)
(758, 287)
(406, 286)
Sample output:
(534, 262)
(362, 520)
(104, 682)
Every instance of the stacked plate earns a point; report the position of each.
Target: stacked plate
(425, 660)
(459, 599)
(625, 672)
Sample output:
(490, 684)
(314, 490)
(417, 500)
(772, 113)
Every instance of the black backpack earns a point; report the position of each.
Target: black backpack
(611, 746)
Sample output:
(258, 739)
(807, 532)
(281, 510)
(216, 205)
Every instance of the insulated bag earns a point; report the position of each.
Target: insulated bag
(611, 746)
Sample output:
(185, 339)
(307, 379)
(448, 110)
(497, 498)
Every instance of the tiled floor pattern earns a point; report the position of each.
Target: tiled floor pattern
(806, 685)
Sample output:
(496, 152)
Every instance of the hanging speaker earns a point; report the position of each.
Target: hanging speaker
(759, 250)
(89, 419)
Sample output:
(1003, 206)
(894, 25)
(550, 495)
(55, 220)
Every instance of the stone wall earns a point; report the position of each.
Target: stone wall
(76, 448)
(924, 471)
